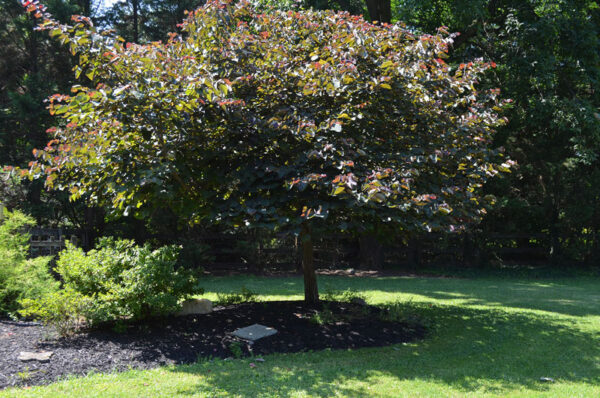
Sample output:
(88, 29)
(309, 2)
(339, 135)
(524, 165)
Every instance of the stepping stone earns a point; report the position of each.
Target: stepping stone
(254, 332)
(42, 356)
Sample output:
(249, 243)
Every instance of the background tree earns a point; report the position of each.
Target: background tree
(294, 121)
(548, 62)
(142, 21)
(380, 10)
(32, 66)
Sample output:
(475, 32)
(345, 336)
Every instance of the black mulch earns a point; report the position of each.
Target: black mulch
(179, 340)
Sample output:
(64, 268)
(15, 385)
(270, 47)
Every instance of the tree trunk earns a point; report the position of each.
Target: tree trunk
(311, 291)
(136, 36)
(86, 7)
(371, 252)
(414, 251)
(379, 10)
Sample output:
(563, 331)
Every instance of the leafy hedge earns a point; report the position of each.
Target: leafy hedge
(20, 277)
(116, 281)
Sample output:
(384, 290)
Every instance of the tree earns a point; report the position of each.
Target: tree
(32, 66)
(380, 10)
(548, 55)
(295, 121)
(142, 21)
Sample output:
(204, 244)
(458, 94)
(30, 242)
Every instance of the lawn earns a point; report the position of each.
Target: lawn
(488, 337)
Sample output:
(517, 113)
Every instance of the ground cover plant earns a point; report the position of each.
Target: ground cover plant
(490, 337)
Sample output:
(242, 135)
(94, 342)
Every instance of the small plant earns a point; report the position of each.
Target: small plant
(24, 375)
(324, 317)
(65, 310)
(119, 327)
(405, 312)
(245, 295)
(394, 312)
(235, 347)
(344, 296)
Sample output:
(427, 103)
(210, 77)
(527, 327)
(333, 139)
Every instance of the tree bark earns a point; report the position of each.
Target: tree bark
(379, 10)
(371, 252)
(311, 291)
(136, 36)
(86, 7)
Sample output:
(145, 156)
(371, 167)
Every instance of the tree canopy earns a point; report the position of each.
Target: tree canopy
(275, 120)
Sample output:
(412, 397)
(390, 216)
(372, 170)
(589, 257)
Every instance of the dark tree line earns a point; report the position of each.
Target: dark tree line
(548, 55)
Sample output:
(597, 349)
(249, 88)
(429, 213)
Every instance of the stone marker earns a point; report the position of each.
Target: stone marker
(358, 301)
(42, 356)
(254, 332)
(195, 306)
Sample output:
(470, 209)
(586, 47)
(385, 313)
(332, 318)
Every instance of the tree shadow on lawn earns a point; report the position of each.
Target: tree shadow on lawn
(579, 297)
(574, 297)
(466, 350)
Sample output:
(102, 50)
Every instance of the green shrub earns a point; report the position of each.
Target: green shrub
(236, 349)
(63, 309)
(20, 277)
(243, 296)
(195, 255)
(344, 296)
(114, 282)
(408, 312)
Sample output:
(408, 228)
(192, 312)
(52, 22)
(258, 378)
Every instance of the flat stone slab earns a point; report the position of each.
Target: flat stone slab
(42, 356)
(254, 332)
(195, 306)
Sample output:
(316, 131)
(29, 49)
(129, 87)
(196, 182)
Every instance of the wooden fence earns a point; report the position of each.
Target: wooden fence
(256, 253)
(48, 241)
(246, 253)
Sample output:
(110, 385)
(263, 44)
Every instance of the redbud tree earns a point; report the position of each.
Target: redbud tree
(280, 119)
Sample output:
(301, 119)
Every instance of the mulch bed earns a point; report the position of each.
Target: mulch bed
(180, 340)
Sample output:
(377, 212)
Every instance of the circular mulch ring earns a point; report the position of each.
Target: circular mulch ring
(179, 340)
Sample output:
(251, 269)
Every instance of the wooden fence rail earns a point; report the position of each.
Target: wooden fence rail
(340, 251)
(48, 241)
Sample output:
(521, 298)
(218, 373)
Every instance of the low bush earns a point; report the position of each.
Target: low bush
(245, 295)
(116, 281)
(408, 313)
(344, 296)
(64, 309)
(324, 317)
(20, 277)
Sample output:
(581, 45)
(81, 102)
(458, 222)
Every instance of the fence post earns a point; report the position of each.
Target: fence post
(467, 249)
(415, 251)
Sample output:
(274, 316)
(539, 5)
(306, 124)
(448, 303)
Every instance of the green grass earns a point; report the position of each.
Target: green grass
(488, 337)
